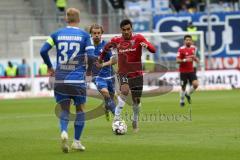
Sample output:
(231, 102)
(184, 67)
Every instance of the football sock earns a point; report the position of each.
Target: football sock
(136, 109)
(110, 104)
(190, 90)
(182, 95)
(79, 125)
(119, 107)
(64, 119)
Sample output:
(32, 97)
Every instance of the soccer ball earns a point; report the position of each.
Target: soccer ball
(119, 127)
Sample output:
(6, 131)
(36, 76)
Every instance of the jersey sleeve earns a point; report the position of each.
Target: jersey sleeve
(89, 48)
(107, 47)
(179, 54)
(150, 47)
(45, 49)
(51, 39)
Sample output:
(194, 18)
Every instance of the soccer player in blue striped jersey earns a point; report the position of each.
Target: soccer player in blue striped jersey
(73, 45)
(103, 73)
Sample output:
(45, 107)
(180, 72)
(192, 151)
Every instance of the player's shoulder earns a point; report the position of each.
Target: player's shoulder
(103, 42)
(82, 32)
(70, 29)
(116, 38)
(193, 46)
(182, 47)
(137, 35)
(57, 32)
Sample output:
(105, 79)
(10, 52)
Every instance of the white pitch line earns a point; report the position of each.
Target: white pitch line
(27, 116)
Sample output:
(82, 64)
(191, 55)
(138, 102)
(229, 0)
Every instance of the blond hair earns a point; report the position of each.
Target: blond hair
(95, 26)
(72, 15)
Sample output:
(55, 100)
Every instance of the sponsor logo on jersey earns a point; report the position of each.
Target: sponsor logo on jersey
(127, 50)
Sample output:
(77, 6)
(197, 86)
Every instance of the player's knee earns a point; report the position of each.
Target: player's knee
(183, 87)
(124, 90)
(195, 84)
(136, 101)
(80, 108)
(105, 92)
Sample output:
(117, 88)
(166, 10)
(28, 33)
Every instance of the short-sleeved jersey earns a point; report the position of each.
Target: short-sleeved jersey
(185, 52)
(72, 45)
(106, 71)
(129, 54)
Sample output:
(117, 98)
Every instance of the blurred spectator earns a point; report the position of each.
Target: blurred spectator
(11, 71)
(191, 29)
(191, 6)
(61, 5)
(43, 69)
(177, 4)
(183, 9)
(149, 64)
(23, 69)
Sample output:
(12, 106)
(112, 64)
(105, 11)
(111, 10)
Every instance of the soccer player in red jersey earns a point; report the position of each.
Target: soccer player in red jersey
(185, 57)
(129, 51)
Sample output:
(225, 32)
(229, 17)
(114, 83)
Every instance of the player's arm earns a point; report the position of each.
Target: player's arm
(101, 64)
(146, 44)
(196, 59)
(91, 59)
(196, 56)
(47, 46)
(109, 46)
(180, 58)
(112, 61)
(183, 60)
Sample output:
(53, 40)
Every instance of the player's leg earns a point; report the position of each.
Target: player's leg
(64, 103)
(79, 102)
(193, 85)
(183, 83)
(124, 91)
(111, 92)
(136, 86)
(102, 86)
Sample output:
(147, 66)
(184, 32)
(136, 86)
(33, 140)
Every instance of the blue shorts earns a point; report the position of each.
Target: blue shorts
(105, 83)
(65, 91)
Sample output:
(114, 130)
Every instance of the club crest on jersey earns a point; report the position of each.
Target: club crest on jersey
(132, 42)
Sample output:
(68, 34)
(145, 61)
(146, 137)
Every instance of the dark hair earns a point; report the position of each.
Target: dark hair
(95, 26)
(125, 22)
(187, 36)
(10, 64)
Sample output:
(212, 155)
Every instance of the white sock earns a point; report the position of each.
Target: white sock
(182, 95)
(190, 90)
(136, 109)
(119, 107)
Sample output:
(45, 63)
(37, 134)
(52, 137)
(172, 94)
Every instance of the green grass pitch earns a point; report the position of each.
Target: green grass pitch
(209, 129)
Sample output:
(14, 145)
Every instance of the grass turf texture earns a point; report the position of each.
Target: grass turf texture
(29, 130)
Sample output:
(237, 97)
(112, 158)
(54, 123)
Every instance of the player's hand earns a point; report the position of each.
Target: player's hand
(195, 58)
(51, 72)
(144, 45)
(189, 59)
(108, 46)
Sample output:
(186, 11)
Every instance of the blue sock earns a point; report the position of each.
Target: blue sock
(64, 119)
(79, 125)
(110, 105)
